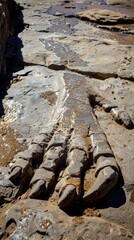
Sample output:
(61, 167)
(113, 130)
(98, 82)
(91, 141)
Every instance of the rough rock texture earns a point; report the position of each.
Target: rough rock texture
(105, 16)
(30, 219)
(66, 150)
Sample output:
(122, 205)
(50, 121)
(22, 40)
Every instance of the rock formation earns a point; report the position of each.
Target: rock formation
(66, 166)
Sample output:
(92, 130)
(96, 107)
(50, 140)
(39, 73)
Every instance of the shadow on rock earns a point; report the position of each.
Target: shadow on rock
(12, 56)
(115, 198)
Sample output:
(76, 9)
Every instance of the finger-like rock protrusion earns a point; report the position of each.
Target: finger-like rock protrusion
(77, 160)
(16, 173)
(126, 120)
(70, 186)
(105, 181)
(103, 162)
(96, 99)
(59, 184)
(54, 158)
(18, 168)
(108, 106)
(22, 160)
(122, 117)
(69, 190)
(36, 152)
(79, 142)
(67, 197)
(38, 188)
(100, 146)
(41, 182)
(58, 139)
(42, 139)
(26, 155)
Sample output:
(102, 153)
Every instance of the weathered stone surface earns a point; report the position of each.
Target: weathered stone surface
(21, 110)
(103, 162)
(54, 158)
(35, 220)
(122, 117)
(41, 173)
(74, 74)
(105, 16)
(106, 178)
(100, 147)
(67, 197)
(125, 3)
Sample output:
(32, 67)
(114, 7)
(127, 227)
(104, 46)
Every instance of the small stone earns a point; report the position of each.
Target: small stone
(122, 117)
(98, 214)
(126, 120)
(58, 14)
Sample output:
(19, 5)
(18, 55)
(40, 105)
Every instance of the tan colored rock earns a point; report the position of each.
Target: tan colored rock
(105, 16)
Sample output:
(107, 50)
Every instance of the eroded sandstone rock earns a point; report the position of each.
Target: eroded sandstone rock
(105, 16)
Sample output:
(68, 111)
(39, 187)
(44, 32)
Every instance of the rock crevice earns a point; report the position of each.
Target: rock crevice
(5, 30)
